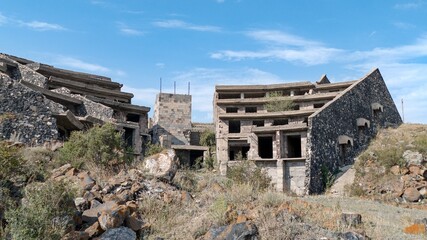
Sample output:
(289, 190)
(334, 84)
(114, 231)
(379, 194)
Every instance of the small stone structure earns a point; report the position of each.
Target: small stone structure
(172, 127)
(40, 103)
(329, 125)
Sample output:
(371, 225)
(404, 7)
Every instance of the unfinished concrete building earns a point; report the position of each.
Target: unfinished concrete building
(328, 125)
(172, 127)
(67, 100)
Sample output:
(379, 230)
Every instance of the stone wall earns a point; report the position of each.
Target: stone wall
(172, 116)
(339, 118)
(25, 115)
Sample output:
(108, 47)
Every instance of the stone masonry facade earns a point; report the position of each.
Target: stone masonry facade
(328, 125)
(42, 103)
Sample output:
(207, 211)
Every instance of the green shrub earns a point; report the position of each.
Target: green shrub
(46, 212)
(390, 156)
(276, 104)
(217, 211)
(102, 145)
(421, 143)
(152, 149)
(209, 162)
(11, 161)
(328, 177)
(243, 172)
(207, 138)
(38, 163)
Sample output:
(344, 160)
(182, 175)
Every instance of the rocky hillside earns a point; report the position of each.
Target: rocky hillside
(394, 167)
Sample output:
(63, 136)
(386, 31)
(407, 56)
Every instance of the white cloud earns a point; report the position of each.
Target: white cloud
(178, 24)
(403, 25)
(3, 19)
(74, 63)
(43, 26)
(409, 5)
(283, 46)
(160, 65)
(394, 54)
(35, 25)
(130, 31)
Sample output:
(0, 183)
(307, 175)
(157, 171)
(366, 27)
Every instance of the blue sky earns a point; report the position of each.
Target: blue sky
(209, 42)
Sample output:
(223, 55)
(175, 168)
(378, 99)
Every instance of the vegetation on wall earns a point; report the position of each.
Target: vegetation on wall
(277, 103)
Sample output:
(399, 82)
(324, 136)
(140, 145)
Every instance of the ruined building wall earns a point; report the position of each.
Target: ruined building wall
(25, 115)
(172, 116)
(339, 118)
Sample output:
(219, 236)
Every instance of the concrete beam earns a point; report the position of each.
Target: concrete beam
(270, 115)
(338, 85)
(68, 121)
(289, 127)
(298, 98)
(127, 107)
(190, 147)
(263, 88)
(56, 97)
(89, 89)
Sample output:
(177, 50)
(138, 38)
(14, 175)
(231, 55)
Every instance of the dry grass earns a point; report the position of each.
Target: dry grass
(380, 221)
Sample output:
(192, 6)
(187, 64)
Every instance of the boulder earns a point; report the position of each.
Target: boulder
(395, 170)
(91, 215)
(163, 165)
(351, 219)
(113, 218)
(134, 222)
(76, 235)
(94, 230)
(86, 181)
(413, 157)
(352, 236)
(61, 170)
(411, 194)
(414, 169)
(244, 230)
(81, 204)
(122, 233)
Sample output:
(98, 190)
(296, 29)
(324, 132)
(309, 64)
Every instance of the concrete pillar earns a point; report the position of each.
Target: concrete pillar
(253, 146)
(222, 155)
(242, 95)
(280, 175)
(278, 141)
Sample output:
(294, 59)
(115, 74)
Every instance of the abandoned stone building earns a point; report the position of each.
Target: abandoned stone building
(47, 103)
(172, 127)
(328, 125)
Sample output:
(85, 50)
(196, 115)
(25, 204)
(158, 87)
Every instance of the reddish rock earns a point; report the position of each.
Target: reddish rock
(71, 172)
(132, 206)
(186, 197)
(113, 218)
(411, 194)
(415, 170)
(91, 215)
(404, 170)
(134, 222)
(395, 170)
(86, 181)
(76, 235)
(94, 230)
(61, 170)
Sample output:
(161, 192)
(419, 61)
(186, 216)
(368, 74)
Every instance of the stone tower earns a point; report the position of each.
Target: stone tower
(172, 119)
